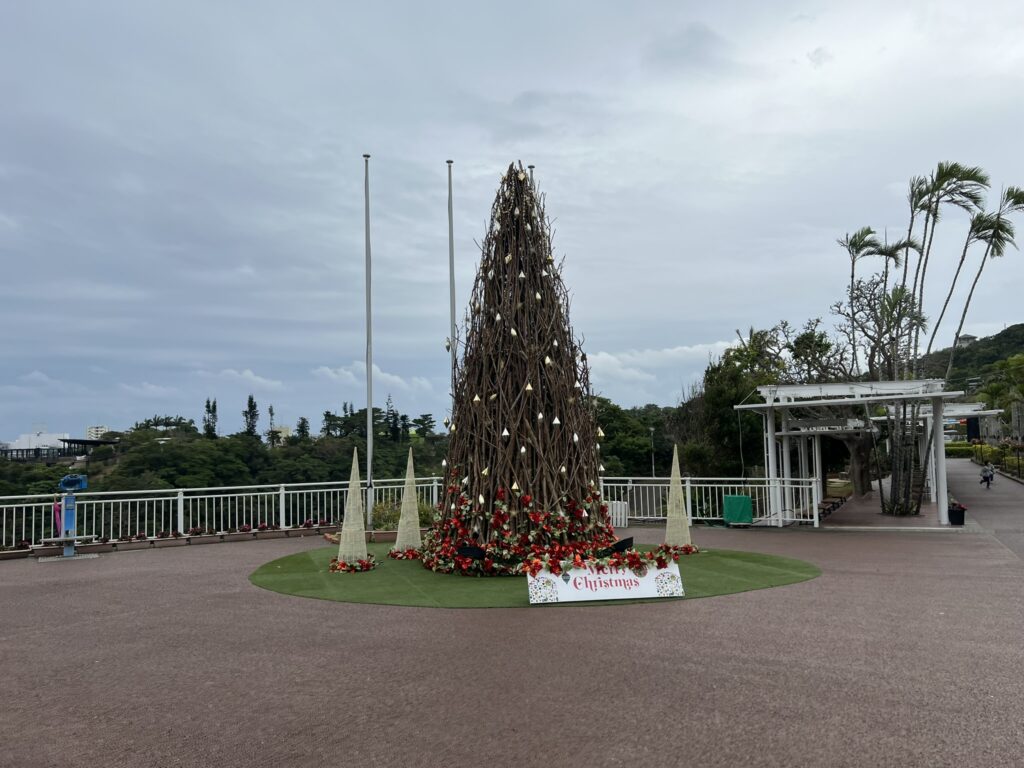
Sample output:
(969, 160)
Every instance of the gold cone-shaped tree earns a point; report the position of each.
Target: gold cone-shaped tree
(523, 459)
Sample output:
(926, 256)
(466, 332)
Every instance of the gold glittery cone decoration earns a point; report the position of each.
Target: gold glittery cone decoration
(409, 522)
(352, 542)
(677, 527)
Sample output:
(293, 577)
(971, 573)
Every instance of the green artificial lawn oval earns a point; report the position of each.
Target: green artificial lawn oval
(407, 582)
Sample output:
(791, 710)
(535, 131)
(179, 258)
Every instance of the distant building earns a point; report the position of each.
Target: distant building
(282, 431)
(39, 440)
(95, 433)
(966, 340)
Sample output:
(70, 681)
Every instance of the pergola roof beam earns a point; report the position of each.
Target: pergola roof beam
(845, 402)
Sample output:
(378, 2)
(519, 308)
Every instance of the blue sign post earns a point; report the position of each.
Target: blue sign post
(70, 525)
(69, 484)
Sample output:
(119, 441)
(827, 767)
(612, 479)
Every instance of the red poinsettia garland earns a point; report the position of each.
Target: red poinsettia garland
(404, 554)
(359, 566)
(523, 538)
(558, 560)
(516, 531)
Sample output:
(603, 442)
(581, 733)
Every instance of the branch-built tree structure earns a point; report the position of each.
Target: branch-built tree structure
(524, 453)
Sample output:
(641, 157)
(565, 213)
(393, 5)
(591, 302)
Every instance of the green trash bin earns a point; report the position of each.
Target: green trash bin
(738, 510)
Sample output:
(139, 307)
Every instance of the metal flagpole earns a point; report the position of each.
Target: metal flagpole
(451, 280)
(369, 357)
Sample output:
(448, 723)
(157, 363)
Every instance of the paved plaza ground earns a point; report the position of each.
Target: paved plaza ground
(907, 651)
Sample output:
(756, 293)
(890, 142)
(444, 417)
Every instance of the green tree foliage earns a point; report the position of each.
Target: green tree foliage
(974, 363)
(424, 424)
(168, 452)
(210, 418)
(166, 423)
(250, 417)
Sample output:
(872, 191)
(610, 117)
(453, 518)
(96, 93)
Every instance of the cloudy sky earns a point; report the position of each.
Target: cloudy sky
(181, 184)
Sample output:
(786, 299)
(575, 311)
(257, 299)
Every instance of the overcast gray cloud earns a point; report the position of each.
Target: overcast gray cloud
(181, 184)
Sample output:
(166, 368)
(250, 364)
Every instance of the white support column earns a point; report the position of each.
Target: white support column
(819, 476)
(773, 469)
(939, 459)
(932, 464)
(805, 497)
(787, 465)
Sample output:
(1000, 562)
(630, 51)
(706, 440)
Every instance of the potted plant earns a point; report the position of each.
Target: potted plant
(956, 513)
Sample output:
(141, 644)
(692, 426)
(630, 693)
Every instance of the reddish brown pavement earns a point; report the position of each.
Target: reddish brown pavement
(907, 651)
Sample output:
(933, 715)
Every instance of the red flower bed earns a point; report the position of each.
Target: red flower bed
(404, 554)
(340, 566)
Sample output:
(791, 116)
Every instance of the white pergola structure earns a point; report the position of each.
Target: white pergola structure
(786, 420)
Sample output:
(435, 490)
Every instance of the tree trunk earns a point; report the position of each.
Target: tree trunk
(967, 304)
(860, 463)
(923, 264)
(952, 285)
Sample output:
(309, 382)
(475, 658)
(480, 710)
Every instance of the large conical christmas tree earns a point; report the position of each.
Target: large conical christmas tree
(523, 457)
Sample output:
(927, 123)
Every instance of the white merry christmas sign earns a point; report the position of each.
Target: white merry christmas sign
(589, 583)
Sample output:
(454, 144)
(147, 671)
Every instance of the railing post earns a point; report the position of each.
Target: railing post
(181, 512)
(686, 501)
(433, 493)
(280, 505)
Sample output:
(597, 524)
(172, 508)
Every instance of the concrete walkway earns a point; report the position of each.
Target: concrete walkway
(907, 651)
(999, 509)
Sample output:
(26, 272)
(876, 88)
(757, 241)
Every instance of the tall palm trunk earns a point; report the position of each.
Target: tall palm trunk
(967, 305)
(922, 268)
(903, 281)
(952, 285)
(853, 330)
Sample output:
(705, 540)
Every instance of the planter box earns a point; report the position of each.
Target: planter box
(124, 546)
(14, 554)
(381, 536)
(99, 546)
(170, 541)
(269, 534)
(202, 539)
(237, 536)
(47, 551)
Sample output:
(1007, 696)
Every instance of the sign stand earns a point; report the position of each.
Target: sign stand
(69, 524)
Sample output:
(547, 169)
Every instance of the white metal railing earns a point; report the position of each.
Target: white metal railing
(120, 514)
(795, 500)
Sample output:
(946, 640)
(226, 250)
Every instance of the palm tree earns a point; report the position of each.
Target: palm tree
(858, 245)
(1000, 234)
(917, 200)
(975, 234)
(949, 184)
(895, 254)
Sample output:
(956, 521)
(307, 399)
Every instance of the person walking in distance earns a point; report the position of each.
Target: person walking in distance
(987, 473)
